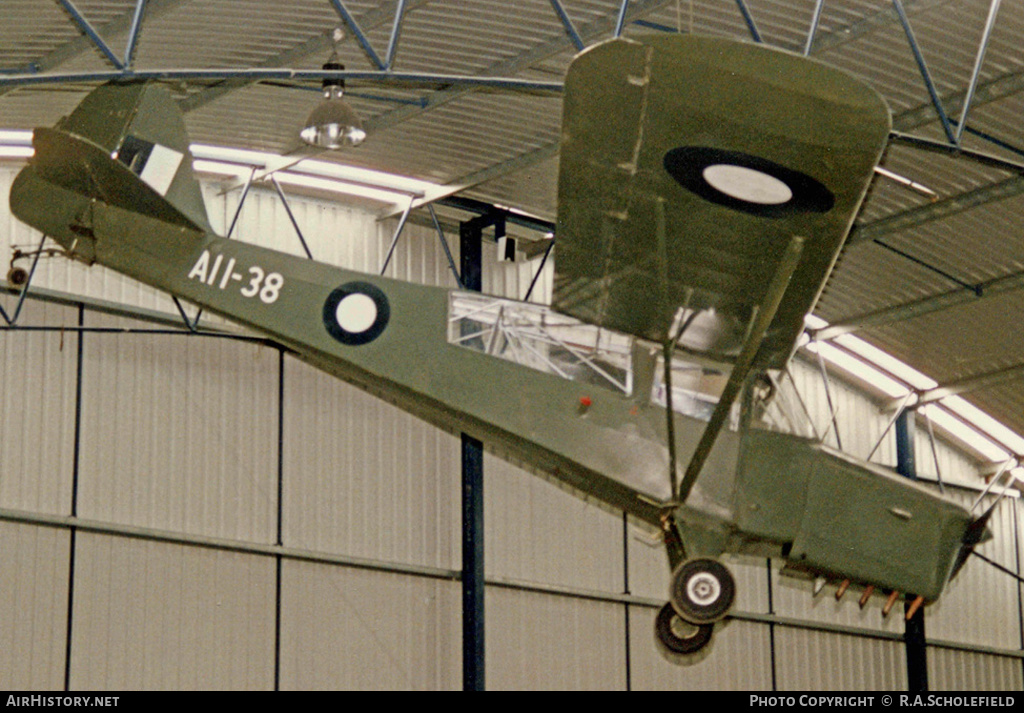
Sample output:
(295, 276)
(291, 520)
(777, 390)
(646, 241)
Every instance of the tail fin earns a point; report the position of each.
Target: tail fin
(125, 145)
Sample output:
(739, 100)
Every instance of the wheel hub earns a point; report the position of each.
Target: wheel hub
(703, 589)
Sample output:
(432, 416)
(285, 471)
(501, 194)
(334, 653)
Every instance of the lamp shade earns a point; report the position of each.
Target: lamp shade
(333, 124)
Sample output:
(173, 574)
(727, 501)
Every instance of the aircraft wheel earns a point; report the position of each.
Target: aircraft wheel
(17, 276)
(702, 591)
(679, 636)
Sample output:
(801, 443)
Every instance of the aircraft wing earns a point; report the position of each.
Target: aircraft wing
(688, 166)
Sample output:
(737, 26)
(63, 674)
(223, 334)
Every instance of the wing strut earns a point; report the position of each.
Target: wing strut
(762, 320)
(670, 427)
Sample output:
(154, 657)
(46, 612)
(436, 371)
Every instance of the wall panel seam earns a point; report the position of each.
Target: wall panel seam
(75, 463)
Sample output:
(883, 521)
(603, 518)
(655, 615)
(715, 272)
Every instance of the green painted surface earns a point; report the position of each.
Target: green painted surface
(832, 514)
(627, 105)
(846, 518)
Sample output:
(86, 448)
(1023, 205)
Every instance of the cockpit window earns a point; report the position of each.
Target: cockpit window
(535, 336)
(696, 389)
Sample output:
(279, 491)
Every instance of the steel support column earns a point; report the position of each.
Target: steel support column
(473, 666)
(917, 660)
(976, 382)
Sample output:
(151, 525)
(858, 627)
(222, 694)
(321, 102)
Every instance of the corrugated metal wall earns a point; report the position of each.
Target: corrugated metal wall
(207, 513)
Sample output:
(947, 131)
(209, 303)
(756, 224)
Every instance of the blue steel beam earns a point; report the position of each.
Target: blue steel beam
(914, 637)
(926, 265)
(84, 25)
(536, 276)
(473, 583)
(986, 35)
(815, 18)
(81, 44)
(398, 233)
(400, 79)
(599, 27)
(24, 290)
(396, 31)
(133, 33)
(570, 29)
(926, 144)
(353, 26)
(995, 141)
(749, 19)
(655, 26)
(923, 67)
(291, 216)
(317, 45)
(191, 325)
(620, 21)
(444, 244)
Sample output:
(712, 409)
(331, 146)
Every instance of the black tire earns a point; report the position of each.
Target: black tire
(702, 591)
(679, 636)
(17, 276)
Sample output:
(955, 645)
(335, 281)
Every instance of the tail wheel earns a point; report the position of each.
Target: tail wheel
(702, 591)
(679, 636)
(17, 276)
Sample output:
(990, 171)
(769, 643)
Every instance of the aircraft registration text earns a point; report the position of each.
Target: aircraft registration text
(257, 282)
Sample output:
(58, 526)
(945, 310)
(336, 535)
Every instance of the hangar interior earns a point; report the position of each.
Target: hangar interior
(196, 508)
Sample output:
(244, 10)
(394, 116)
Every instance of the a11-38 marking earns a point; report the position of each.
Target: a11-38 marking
(266, 286)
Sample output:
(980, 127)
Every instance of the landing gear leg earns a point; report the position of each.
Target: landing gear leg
(677, 633)
(673, 542)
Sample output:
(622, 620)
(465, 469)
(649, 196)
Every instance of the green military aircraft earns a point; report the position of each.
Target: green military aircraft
(706, 187)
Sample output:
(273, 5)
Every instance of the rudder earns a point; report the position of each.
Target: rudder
(143, 128)
(125, 145)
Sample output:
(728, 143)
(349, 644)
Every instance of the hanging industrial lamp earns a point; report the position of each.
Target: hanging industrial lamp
(333, 123)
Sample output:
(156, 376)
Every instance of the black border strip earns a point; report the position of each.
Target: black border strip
(686, 164)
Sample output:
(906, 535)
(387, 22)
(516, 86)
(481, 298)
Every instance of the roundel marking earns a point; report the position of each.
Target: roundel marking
(356, 313)
(746, 183)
